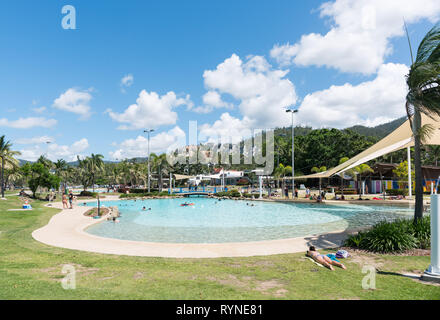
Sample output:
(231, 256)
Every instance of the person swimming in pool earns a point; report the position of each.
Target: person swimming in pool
(323, 259)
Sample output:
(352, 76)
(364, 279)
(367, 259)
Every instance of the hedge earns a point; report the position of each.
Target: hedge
(397, 192)
(88, 194)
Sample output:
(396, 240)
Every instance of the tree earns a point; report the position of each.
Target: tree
(401, 172)
(45, 162)
(7, 160)
(61, 170)
(281, 172)
(341, 161)
(361, 170)
(319, 170)
(423, 96)
(95, 165)
(434, 154)
(41, 177)
(83, 172)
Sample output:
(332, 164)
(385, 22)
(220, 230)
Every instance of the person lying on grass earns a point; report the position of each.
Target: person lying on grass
(323, 259)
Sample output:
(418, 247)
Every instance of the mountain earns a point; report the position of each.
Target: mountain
(379, 131)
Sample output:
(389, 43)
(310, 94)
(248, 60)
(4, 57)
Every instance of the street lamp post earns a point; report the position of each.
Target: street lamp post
(148, 131)
(292, 111)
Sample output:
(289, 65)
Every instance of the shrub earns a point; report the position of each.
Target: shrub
(422, 232)
(386, 237)
(85, 193)
(230, 193)
(354, 241)
(138, 191)
(397, 192)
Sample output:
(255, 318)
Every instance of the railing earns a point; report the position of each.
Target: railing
(207, 189)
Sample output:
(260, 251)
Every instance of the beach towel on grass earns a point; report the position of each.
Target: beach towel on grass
(317, 263)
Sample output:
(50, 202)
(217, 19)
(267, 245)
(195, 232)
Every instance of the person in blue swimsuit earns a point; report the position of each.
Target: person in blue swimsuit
(323, 259)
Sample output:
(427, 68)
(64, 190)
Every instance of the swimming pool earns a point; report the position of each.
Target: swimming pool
(213, 221)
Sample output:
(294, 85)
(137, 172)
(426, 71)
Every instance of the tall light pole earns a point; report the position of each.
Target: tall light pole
(148, 131)
(292, 111)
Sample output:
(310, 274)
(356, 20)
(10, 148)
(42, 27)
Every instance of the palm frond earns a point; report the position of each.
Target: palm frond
(429, 49)
(426, 132)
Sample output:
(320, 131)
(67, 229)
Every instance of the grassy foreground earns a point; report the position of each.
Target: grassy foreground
(31, 270)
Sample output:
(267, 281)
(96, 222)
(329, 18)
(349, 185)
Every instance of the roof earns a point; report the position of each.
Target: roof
(399, 139)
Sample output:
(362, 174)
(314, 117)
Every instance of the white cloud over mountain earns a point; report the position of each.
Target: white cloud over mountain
(360, 34)
(369, 103)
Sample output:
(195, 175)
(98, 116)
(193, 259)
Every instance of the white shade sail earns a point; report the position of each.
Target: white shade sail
(399, 139)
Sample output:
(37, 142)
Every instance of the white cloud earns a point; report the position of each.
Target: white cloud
(138, 147)
(27, 123)
(263, 92)
(126, 82)
(54, 151)
(369, 103)
(39, 110)
(150, 111)
(227, 129)
(360, 34)
(35, 140)
(212, 100)
(75, 101)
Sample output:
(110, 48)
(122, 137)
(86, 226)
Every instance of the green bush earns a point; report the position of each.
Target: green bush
(88, 194)
(138, 191)
(151, 194)
(422, 232)
(398, 236)
(397, 192)
(354, 241)
(230, 193)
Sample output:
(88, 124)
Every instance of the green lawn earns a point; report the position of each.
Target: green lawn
(31, 270)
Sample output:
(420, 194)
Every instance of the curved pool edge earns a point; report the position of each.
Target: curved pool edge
(67, 230)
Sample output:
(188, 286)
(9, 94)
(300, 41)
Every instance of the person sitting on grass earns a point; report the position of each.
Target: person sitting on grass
(323, 259)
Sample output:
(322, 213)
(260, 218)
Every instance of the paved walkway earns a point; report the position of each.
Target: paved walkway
(66, 230)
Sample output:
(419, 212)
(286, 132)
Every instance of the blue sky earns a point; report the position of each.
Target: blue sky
(253, 58)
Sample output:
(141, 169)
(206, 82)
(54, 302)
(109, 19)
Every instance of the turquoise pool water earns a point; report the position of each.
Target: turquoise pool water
(213, 221)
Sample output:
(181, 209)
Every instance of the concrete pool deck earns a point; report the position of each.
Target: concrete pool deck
(66, 230)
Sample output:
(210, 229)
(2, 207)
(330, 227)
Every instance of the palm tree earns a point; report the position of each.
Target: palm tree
(423, 96)
(434, 154)
(345, 159)
(361, 170)
(318, 170)
(61, 168)
(7, 159)
(281, 172)
(95, 165)
(45, 162)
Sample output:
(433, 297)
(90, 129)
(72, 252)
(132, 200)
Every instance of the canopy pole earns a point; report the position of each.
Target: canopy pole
(409, 173)
(433, 272)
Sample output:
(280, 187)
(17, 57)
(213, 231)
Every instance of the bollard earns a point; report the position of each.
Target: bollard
(433, 272)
